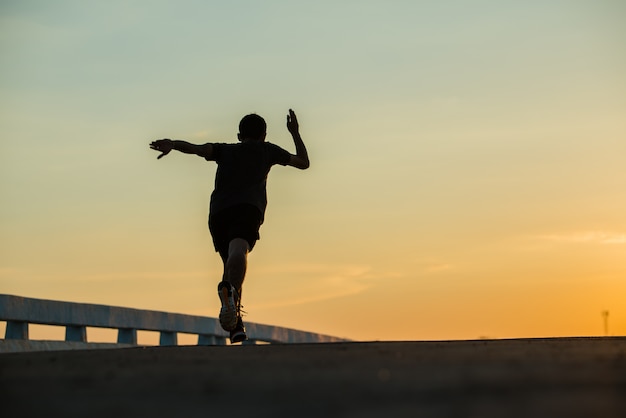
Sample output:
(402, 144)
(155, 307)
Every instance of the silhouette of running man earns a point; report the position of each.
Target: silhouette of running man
(239, 200)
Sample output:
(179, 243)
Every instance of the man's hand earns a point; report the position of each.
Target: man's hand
(301, 158)
(162, 145)
(292, 123)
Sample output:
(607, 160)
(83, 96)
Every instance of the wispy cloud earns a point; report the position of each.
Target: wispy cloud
(436, 268)
(322, 282)
(592, 237)
(430, 266)
(128, 278)
(201, 135)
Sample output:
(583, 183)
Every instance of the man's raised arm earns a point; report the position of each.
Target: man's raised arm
(166, 145)
(301, 159)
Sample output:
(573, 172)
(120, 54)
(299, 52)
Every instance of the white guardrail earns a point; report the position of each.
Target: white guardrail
(18, 312)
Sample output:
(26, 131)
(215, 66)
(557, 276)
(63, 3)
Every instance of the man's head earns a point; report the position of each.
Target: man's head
(252, 127)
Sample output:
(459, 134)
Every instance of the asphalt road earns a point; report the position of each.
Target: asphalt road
(575, 377)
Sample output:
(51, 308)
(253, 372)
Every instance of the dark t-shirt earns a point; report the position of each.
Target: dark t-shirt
(242, 170)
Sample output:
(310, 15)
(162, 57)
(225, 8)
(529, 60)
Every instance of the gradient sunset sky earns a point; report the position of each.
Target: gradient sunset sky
(468, 160)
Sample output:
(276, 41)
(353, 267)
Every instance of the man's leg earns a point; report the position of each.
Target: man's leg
(236, 264)
(235, 267)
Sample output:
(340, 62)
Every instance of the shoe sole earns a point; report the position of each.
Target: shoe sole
(228, 313)
(238, 337)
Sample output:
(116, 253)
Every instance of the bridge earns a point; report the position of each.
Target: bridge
(19, 312)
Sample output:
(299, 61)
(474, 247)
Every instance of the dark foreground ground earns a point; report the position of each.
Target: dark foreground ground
(577, 377)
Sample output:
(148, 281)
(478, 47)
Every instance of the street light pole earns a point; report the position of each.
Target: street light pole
(605, 315)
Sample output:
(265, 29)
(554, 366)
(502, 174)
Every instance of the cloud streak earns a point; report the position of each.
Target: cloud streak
(591, 237)
(322, 282)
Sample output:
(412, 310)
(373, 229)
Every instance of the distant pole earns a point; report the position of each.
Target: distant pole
(605, 316)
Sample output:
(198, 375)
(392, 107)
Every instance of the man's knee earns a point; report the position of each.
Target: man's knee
(238, 247)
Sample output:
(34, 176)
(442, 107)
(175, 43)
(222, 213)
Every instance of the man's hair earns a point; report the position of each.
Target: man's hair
(252, 127)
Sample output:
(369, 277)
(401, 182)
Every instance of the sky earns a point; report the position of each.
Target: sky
(467, 160)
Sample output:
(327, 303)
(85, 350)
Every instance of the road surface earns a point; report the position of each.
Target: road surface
(571, 377)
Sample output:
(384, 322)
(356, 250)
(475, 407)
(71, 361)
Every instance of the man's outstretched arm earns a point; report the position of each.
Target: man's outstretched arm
(166, 145)
(301, 159)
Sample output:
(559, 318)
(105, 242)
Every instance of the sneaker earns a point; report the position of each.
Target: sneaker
(238, 334)
(228, 312)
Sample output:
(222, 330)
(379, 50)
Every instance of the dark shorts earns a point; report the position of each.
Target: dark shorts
(242, 221)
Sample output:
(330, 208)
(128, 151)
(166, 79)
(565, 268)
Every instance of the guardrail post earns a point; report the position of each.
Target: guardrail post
(16, 330)
(168, 338)
(127, 336)
(76, 333)
(211, 340)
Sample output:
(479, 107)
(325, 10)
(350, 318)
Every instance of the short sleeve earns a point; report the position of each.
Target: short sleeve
(215, 152)
(279, 155)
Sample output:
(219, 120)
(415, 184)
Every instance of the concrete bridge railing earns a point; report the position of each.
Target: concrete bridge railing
(19, 312)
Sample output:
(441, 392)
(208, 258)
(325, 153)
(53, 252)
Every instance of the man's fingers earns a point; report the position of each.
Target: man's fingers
(292, 120)
(161, 145)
